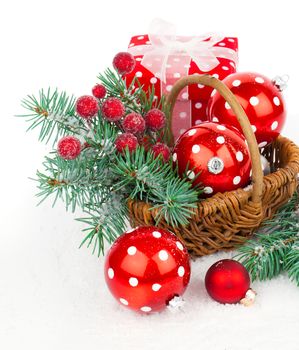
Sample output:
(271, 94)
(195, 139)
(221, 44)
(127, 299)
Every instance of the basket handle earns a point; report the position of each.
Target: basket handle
(224, 91)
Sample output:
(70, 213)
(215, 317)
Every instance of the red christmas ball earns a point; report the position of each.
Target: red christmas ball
(87, 106)
(124, 63)
(162, 150)
(69, 147)
(134, 123)
(261, 100)
(126, 140)
(113, 109)
(155, 119)
(146, 268)
(99, 91)
(227, 281)
(213, 155)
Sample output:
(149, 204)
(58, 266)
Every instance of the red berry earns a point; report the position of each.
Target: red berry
(113, 109)
(69, 147)
(160, 149)
(124, 63)
(155, 119)
(134, 123)
(126, 140)
(99, 91)
(87, 106)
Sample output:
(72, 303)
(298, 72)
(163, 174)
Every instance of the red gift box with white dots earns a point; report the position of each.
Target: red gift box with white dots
(191, 106)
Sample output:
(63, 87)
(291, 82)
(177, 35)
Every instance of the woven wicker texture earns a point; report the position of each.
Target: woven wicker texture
(228, 219)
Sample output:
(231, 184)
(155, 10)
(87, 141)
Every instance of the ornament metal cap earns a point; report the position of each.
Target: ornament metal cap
(281, 82)
(215, 165)
(249, 298)
(176, 304)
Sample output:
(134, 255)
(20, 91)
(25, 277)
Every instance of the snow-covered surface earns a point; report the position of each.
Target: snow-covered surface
(52, 295)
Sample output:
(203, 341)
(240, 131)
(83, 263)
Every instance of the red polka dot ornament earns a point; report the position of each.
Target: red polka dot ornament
(261, 100)
(147, 268)
(214, 156)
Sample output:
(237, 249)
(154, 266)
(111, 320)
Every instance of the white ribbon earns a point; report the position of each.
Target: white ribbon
(164, 42)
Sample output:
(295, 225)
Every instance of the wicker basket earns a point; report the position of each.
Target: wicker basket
(227, 219)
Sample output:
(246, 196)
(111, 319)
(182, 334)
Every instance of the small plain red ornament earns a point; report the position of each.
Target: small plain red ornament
(99, 91)
(214, 156)
(69, 147)
(126, 140)
(261, 100)
(162, 150)
(113, 109)
(124, 63)
(146, 268)
(155, 119)
(134, 123)
(87, 106)
(227, 281)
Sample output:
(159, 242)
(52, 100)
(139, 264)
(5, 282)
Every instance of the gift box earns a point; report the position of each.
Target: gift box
(162, 58)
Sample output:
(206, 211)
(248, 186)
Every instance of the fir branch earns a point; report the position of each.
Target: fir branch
(53, 113)
(275, 247)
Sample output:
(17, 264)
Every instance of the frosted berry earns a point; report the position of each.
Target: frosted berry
(160, 149)
(69, 147)
(134, 123)
(124, 63)
(99, 91)
(113, 109)
(87, 106)
(126, 140)
(155, 119)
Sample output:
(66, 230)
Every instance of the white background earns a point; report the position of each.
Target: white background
(52, 295)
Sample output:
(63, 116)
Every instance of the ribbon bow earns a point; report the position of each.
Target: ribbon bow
(163, 42)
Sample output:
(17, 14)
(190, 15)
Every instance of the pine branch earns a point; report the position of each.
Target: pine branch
(53, 113)
(275, 247)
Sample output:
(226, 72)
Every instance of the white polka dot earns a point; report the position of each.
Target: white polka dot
(254, 101)
(190, 174)
(132, 250)
(195, 148)
(239, 156)
(174, 157)
(153, 80)
(177, 75)
(155, 97)
(198, 105)
(259, 80)
(200, 86)
(168, 87)
(274, 125)
(221, 44)
(216, 75)
(123, 301)
(253, 127)
(138, 59)
(276, 101)
(236, 180)
(208, 190)
(163, 255)
(131, 45)
(231, 40)
(220, 140)
(156, 287)
(215, 119)
(262, 144)
(183, 114)
(140, 37)
(133, 281)
(185, 96)
(213, 92)
(198, 121)
(226, 105)
(110, 273)
(146, 309)
(236, 82)
(157, 234)
(181, 271)
(138, 74)
(221, 127)
(182, 131)
(179, 245)
(225, 68)
(192, 132)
